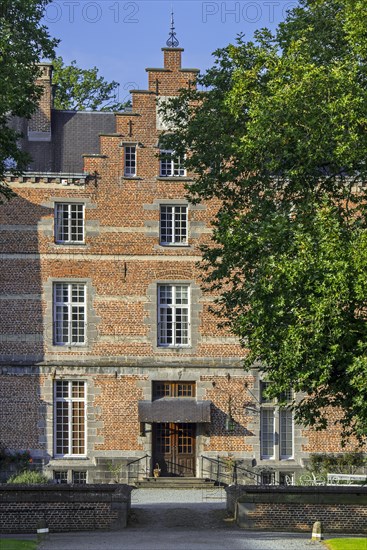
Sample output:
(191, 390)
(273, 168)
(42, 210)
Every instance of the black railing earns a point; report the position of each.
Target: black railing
(137, 469)
(227, 472)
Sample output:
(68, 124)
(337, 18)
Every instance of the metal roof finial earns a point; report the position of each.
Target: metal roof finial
(172, 41)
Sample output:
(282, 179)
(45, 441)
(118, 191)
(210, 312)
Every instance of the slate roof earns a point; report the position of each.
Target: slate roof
(73, 133)
(77, 133)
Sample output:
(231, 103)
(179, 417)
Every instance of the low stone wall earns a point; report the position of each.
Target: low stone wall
(340, 509)
(23, 508)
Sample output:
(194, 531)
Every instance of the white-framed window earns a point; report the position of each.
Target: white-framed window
(173, 225)
(170, 164)
(61, 477)
(130, 160)
(69, 418)
(267, 433)
(267, 478)
(286, 429)
(69, 301)
(276, 427)
(77, 477)
(69, 223)
(173, 315)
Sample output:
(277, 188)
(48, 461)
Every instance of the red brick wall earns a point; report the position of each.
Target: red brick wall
(117, 407)
(20, 411)
(41, 120)
(122, 259)
(228, 395)
(339, 509)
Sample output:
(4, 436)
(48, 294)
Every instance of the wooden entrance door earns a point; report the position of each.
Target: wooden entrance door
(174, 448)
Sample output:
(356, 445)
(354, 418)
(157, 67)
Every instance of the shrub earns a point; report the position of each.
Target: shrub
(28, 477)
(346, 463)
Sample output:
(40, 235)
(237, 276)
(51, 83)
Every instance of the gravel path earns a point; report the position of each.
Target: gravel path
(179, 519)
(154, 509)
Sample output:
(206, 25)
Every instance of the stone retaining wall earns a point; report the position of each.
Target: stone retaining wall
(340, 509)
(23, 508)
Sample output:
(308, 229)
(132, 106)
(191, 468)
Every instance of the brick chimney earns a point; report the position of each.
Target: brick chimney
(172, 58)
(39, 126)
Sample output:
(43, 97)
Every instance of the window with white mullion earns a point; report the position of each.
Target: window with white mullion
(62, 428)
(69, 223)
(173, 225)
(173, 315)
(267, 433)
(276, 425)
(170, 165)
(166, 325)
(130, 160)
(286, 433)
(69, 313)
(70, 418)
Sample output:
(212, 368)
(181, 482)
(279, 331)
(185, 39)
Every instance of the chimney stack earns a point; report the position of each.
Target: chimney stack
(39, 126)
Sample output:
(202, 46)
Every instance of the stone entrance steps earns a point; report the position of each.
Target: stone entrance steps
(174, 483)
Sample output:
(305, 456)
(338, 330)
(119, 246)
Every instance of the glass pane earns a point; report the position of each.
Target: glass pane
(161, 389)
(69, 223)
(166, 326)
(79, 478)
(62, 425)
(267, 433)
(78, 389)
(163, 439)
(165, 294)
(166, 164)
(61, 477)
(166, 224)
(62, 389)
(180, 224)
(185, 390)
(286, 433)
(130, 161)
(78, 427)
(182, 325)
(182, 295)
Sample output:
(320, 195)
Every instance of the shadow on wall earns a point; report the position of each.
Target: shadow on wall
(227, 426)
(22, 347)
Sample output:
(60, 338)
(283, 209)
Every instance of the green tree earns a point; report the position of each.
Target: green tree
(80, 89)
(280, 139)
(24, 41)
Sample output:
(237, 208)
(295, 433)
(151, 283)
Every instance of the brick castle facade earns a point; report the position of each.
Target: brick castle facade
(109, 351)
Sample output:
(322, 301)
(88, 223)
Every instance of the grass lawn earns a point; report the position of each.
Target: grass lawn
(346, 544)
(14, 544)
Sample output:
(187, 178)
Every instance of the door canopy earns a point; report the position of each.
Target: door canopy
(174, 410)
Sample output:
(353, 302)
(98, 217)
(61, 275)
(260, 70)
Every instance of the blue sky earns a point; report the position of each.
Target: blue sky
(123, 37)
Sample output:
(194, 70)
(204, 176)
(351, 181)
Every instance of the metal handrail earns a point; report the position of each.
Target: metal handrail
(135, 461)
(227, 477)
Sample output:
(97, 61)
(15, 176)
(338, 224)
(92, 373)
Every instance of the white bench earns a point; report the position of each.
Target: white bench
(311, 479)
(346, 479)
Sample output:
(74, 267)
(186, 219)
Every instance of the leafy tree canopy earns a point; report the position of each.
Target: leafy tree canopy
(80, 89)
(24, 41)
(280, 138)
